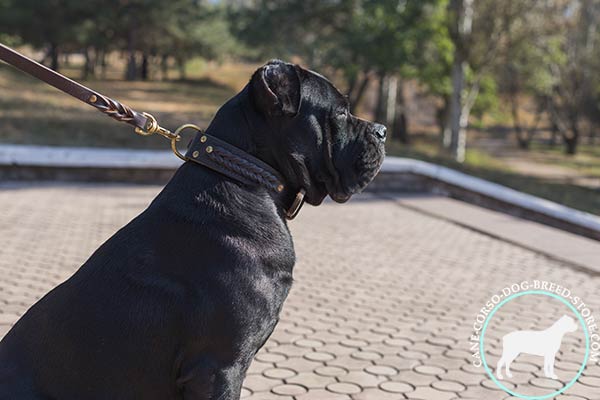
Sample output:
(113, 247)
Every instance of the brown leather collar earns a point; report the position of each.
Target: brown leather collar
(236, 164)
(204, 150)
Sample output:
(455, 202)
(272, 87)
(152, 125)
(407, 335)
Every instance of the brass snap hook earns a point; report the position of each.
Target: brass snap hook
(152, 126)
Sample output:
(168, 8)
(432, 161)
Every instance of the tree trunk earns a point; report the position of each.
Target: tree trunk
(103, 63)
(392, 94)
(355, 100)
(456, 101)
(381, 99)
(592, 134)
(514, 108)
(555, 130)
(89, 64)
(181, 67)
(459, 107)
(164, 67)
(144, 68)
(459, 152)
(460, 149)
(442, 119)
(352, 81)
(570, 145)
(572, 138)
(54, 64)
(400, 127)
(131, 73)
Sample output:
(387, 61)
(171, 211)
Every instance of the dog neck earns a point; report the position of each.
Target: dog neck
(235, 131)
(232, 125)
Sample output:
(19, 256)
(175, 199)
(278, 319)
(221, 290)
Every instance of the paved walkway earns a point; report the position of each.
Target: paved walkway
(571, 248)
(382, 308)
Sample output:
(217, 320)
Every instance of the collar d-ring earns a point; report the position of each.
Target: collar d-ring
(294, 209)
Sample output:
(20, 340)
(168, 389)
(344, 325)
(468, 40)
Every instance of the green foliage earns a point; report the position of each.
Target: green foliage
(487, 99)
(436, 54)
(177, 28)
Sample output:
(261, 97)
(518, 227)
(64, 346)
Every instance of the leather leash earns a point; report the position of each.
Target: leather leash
(204, 149)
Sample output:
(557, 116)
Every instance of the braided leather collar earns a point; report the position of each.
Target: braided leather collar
(235, 163)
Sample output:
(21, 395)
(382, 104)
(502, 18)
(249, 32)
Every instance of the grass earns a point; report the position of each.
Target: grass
(482, 165)
(32, 112)
(585, 162)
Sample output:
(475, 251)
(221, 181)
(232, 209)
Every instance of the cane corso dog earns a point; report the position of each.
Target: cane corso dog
(176, 304)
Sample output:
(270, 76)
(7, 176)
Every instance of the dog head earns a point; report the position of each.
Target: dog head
(311, 136)
(567, 324)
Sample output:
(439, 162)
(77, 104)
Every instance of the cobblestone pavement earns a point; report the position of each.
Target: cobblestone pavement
(382, 307)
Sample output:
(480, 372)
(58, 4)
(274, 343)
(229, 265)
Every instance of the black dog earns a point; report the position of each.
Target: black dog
(176, 304)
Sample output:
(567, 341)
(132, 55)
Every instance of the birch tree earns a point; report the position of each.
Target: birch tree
(479, 31)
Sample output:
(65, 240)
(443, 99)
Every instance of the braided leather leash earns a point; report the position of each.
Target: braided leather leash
(205, 150)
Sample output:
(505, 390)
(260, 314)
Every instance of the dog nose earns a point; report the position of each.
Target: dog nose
(380, 131)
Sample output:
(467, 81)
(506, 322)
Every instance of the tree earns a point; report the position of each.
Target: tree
(387, 38)
(479, 32)
(49, 24)
(522, 70)
(362, 40)
(573, 98)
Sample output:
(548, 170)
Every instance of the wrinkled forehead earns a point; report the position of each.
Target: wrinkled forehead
(321, 91)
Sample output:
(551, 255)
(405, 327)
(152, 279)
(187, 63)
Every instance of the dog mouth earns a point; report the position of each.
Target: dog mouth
(340, 197)
(363, 162)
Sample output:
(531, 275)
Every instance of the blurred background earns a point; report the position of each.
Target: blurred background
(505, 90)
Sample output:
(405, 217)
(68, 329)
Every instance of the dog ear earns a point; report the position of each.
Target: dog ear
(275, 89)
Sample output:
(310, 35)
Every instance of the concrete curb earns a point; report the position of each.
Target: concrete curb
(501, 194)
(84, 157)
(397, 174)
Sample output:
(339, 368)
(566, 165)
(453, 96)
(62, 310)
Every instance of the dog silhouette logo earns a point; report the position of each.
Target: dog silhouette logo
(544, 343)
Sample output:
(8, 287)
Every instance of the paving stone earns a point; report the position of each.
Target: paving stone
(593, 381)
(377, 394)
(546, 383)
(258, 367)
(289, 389)
(271, 357)
(331, 371)
(349, 363)
(398, 342)
(366, 355)
(381, 370)
(320, 356)
(396, 387)
(321, 394)
(312, 380)
(299, 364)
(344, 388)
(430, 370)
(245, 393)
(268, 396)
(363, 379)
(481, 393)
(260, 383)
(309, 343)
(415, 378)
(279, 373)
(354, 343)
(428, 393)
(449, 386)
